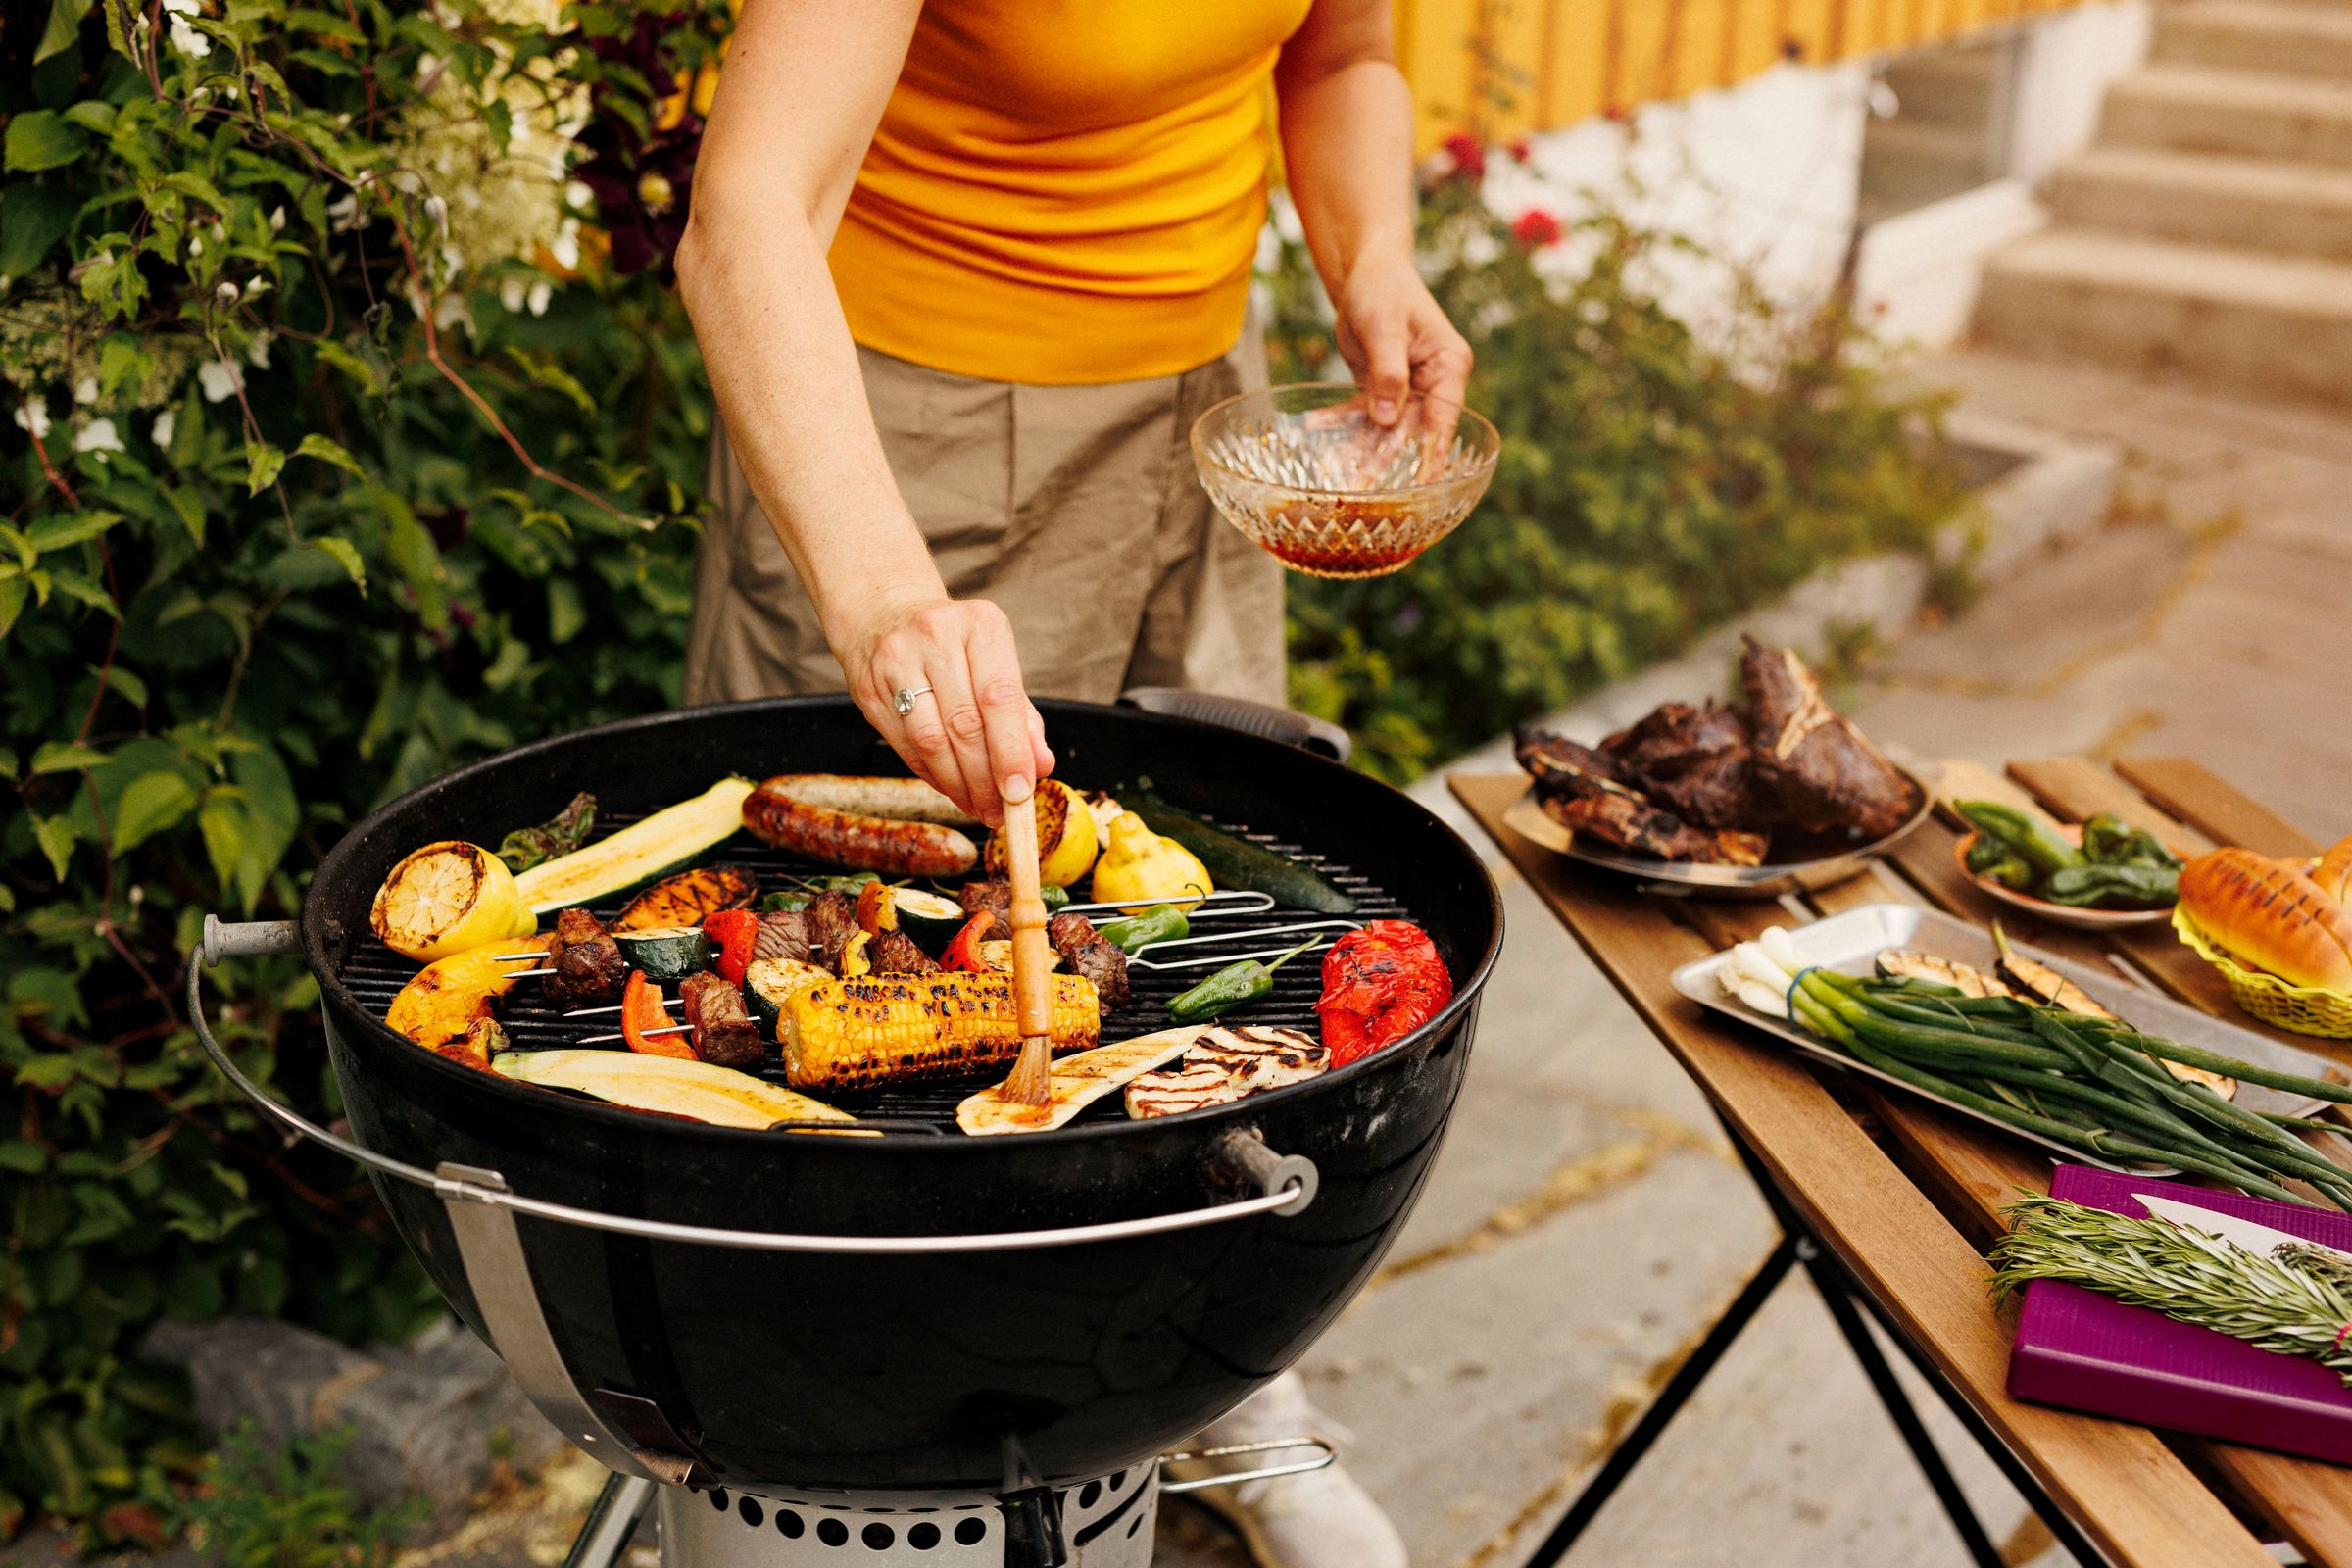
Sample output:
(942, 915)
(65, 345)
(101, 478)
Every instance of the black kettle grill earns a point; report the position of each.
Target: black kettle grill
(819, 1325)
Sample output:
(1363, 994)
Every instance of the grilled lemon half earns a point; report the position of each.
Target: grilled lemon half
(444, 899)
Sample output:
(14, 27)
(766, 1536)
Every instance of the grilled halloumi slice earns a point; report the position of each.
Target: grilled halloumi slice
(1227, 1065)
(1078, 1080)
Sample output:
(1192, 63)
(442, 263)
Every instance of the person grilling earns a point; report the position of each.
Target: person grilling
(963, 274)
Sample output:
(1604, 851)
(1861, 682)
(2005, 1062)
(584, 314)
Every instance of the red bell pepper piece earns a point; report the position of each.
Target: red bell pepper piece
(1378, 985)
(732, 932)
(642, 1012)
(963, 949)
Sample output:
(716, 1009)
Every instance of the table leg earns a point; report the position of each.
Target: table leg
(1596, 1493)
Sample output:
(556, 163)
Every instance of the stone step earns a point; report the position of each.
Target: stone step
(2250, 113)
(2275, 323)
(2246, 202)
(2258, 35)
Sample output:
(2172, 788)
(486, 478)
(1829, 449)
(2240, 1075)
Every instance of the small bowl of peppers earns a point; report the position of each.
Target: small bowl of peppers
(2102, 874)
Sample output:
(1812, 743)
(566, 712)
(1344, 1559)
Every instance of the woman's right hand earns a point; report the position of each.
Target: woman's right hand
(974, 736)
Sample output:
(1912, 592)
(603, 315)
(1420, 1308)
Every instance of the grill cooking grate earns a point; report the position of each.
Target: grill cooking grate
(375, 973)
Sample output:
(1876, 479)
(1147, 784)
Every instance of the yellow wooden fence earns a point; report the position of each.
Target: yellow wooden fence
(1505, 68)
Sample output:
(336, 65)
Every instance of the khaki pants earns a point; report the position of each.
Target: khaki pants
(1075, 508)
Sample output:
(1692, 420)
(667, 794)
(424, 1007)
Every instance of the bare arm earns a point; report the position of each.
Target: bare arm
(1348, 148)
(805, 86)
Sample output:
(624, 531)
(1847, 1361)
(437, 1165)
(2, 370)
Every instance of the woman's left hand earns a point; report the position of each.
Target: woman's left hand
(1397, 341)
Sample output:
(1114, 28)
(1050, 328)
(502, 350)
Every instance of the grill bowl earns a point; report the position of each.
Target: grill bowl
(863, 1372)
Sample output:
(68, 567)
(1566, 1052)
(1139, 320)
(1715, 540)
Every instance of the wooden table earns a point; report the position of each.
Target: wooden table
(1903, 1197)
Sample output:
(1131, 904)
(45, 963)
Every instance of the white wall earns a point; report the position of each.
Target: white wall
(2070, 59)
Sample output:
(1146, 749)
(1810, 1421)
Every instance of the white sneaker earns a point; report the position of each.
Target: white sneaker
(1322, 1519)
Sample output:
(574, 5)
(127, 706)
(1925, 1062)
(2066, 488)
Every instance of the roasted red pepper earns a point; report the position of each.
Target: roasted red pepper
(641, 1013)
(732, 932)
(963, 949)
(1379, 983)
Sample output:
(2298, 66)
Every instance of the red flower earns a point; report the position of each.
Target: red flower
(1536, 228)
(1469, 158)
(1523, 149)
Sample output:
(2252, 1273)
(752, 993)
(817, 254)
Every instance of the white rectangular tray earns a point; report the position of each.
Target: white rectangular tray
(1849, 943)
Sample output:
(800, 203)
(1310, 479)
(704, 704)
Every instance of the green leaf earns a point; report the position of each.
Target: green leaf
(64, 757)
(64, 27)
(262, 465)
(55, 835)
(187, 506)
(11, 602)
(566, 616)
(221, 821)
(42, 138)
(122, 360)
(72, 528)
(23, 1155)
(326, 451)
(150, 804)
(342, 551)
(33, 219)
(362, 373)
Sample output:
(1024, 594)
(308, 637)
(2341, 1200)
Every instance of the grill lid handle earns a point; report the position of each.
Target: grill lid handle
(1287, 725)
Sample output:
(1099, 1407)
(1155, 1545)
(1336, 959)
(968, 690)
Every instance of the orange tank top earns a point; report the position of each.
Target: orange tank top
(1065, 191)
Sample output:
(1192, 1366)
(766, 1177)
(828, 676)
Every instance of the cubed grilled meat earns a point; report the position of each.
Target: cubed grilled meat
(832, 920)
(1695, 761)
(724, 1034)
(589, 968)
(782, 934)
(1088, 952)
(993, 895)
(896, 952)
(1813, 767)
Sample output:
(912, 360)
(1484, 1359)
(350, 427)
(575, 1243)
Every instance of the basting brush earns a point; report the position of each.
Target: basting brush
(1032, 1080)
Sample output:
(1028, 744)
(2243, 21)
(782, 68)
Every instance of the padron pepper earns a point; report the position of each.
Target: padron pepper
(1993, 858)
(1138, 932)
(1230, 987)
(2109, 840)
(2087, 886)
(2035, 841)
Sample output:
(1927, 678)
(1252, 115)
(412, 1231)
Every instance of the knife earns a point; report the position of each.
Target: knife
(2255, 1238)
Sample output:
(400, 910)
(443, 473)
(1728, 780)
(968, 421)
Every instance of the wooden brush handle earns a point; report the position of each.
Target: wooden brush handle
(1032, 959)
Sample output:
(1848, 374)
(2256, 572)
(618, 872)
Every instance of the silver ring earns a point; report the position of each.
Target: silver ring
(904, 701)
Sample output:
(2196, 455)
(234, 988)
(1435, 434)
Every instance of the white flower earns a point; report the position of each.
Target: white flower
(185, 38)
(439, 210)
(541, 293)
(226, 291)
(219, 378)
(342, 217)
(165, 424)
(257, 351)
(511, 293)
(195, 247)
(33, 418)
(97, 436)
(566, 247)
(277, 218)
(85, 390)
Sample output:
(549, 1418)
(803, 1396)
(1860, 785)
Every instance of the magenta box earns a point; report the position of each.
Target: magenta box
(2087, 1352)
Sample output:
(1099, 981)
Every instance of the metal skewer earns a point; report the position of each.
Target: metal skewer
(590, 1012)
(650, 1034)
(1138, 959)
(1223, 903)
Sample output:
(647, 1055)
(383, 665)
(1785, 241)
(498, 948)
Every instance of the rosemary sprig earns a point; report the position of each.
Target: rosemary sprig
(2295, 1301)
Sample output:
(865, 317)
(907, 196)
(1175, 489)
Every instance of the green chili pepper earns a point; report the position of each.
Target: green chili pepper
(786, 902)
(1993, 858)
(1230, 987)
(2034, 839)
(850, 884)
(1053, 898)
(1138, 932)
(2109, 840)
(2086, 886)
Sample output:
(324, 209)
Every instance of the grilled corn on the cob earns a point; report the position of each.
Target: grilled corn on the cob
(855, 1034)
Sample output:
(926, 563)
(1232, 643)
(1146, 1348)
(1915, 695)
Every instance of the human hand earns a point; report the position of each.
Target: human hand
(973, 735)
(1397, 341)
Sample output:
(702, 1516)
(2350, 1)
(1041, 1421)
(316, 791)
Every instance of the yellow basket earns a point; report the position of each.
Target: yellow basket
(2305, 1010)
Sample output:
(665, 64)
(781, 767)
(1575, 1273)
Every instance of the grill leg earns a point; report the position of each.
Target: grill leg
(1667, 1405)
(612, 1521)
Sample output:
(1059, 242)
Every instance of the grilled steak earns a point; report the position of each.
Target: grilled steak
(1623, 817)
(1226, 1064)
(723, 1033)
(831, 920)
(1812, 767)
(589, 968)
(993, 895)
(1088, 952)
(1562, 767)
(1692, 760)
(896, 952)
(782, 934)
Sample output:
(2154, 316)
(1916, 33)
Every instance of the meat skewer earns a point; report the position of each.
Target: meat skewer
(587, 966)
(722, 1032)
(1088, 952)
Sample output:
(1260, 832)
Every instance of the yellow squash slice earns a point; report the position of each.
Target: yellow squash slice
(672, 1084)
(447, 998)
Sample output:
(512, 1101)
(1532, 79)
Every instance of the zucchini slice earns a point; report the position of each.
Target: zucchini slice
(1899, 964)
(638, 854)
(671, 1085)
(770, 983)
(928, 917)
(665, 951)
(689, 898)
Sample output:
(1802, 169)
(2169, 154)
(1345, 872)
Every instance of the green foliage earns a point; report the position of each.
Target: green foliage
(270, 280)
(287, 1509)
(1654, 481)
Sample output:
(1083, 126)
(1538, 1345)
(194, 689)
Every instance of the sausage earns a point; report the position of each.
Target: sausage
(902, 800)
(854, 840)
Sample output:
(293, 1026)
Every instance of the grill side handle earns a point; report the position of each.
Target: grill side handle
(1286, 1185)
(1283, 724)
